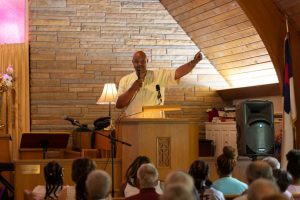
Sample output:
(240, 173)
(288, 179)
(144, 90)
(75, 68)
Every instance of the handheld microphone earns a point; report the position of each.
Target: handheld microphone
(138, 73)
(73, 121)
(158, 93)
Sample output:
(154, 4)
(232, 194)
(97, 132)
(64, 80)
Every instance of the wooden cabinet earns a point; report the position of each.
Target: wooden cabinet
(222, 134)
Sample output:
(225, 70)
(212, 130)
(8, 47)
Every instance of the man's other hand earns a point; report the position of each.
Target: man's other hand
(197, 57)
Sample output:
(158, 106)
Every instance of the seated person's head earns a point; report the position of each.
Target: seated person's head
(177, 191)
(179, 177)
(259, 169)
(147, 175)
(98, 184)
(283, 179)
(199, 171)
(82, 166)
(131, 173)
(261, 188)
(226, 161)
(273, 162)
(53, 174)
(293, 165)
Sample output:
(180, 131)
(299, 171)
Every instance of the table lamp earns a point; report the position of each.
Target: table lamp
(108, 96)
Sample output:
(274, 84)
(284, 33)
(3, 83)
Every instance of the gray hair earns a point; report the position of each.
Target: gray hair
(98, 184)
(180, 177)
(273, 162)
(147, 175)
(262, 188)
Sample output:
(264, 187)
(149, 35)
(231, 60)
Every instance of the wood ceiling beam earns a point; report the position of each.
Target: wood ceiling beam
(250, 92)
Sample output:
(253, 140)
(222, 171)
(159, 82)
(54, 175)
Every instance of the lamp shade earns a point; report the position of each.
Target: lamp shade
(109, 94)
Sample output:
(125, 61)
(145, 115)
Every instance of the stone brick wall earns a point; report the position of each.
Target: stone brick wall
(76, 46)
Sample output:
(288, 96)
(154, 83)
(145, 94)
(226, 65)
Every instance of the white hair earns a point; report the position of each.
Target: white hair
(147, 175)
(273, 162)
(98, 184)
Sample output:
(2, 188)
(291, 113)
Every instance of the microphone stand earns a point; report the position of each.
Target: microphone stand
(113, 142)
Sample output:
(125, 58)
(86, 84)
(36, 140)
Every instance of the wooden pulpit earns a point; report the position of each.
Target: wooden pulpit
(171, 144)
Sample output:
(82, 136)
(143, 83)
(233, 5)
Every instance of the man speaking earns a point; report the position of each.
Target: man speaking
(146, 87)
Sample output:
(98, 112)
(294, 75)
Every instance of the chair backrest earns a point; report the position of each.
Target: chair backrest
(296, 196)
(2, 190)
(118, 198)
(231, 196)
(28, 195)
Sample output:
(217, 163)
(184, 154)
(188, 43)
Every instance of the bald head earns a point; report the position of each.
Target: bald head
(139, 61)
(261, 188)
(259, 169)
(177, 191)
(179, 177)
(139, 54)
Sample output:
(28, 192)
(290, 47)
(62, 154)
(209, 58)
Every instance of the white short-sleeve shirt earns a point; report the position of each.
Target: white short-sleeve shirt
(147, 95)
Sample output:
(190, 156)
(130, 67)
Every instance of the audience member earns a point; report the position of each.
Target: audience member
(273, 162)
(256, 170)
(98, 183)
(53, 174)
(283, 180)
(180, 177)
(259, 169)
(262, 188)
(148, 177)
(199, 171)
(225, 165)
(177, 191)
(131, 185)
(293, 167)
(80, 168)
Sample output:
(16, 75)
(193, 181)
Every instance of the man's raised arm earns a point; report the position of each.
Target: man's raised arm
(188, 67)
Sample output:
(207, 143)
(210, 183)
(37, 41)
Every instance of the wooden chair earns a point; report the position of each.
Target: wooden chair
(296, 196)
(28, 195)
(2, 191)
(231, 196)
(118, 198)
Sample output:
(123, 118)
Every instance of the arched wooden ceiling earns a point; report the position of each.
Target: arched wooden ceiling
(224, 33)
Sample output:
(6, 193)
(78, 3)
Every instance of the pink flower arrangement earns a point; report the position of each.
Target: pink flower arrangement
(7, 79)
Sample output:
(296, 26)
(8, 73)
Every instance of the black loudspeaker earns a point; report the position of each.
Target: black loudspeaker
(255, 128)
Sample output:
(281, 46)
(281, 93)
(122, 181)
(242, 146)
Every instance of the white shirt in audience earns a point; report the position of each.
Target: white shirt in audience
(288, 195)
(68, 193)
(213, 194)
(39, 192)
(130, 190)
(294, 189)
